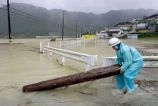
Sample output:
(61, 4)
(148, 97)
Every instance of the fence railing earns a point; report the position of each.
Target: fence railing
(149, 61)
(89, 60)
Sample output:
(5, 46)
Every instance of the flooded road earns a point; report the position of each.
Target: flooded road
(22, 64)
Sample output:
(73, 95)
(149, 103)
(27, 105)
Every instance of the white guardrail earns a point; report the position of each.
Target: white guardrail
(89, 60)
(149, 61)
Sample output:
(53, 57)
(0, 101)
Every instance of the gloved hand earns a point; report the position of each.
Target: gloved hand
(121, 70)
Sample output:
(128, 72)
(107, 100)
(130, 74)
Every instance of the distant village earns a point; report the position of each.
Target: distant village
(131, 29)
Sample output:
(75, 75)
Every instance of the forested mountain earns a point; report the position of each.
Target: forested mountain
(30, 21)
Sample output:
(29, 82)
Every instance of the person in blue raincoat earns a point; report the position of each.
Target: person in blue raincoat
(131, 63)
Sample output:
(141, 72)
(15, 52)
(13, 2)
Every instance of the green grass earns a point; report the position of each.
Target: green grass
(149, 38)
(148, 35)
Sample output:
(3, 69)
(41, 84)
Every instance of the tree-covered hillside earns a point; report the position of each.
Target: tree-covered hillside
(30, 21)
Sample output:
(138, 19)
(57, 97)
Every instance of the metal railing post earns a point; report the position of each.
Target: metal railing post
(41, 48)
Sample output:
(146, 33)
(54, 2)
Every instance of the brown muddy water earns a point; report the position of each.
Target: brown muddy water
(22, 64)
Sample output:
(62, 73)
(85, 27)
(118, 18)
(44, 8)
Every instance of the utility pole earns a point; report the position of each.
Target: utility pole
(76, 30)
(9, 25)
(81, 31)
(63, 25)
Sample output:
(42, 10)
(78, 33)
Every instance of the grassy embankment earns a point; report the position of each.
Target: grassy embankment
(149, 36)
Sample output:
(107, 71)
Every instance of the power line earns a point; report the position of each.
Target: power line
(29, 15)
(26, 14)
(21, 15)
(33, 20)
(19, 12)
(32, 16)
(16, 14)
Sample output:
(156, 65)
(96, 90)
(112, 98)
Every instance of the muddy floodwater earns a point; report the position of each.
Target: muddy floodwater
(22, 64)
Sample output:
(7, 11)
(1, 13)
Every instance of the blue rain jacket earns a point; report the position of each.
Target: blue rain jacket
(131, 63)
(126, 55)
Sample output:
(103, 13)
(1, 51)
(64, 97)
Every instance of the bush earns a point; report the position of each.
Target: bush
(52, 39)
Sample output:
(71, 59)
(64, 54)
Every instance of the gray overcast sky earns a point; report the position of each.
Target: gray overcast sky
(95, 6)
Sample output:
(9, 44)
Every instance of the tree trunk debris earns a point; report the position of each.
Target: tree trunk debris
(91, 75)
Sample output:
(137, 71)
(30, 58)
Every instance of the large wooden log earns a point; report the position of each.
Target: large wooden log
(74, 79)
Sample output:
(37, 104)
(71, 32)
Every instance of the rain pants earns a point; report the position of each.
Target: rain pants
(131, 63)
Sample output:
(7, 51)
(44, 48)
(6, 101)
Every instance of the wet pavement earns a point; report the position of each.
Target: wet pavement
(22, 64)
